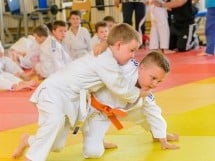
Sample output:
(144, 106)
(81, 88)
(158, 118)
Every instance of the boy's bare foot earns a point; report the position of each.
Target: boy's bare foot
(110, 145)
(23, 144)
(169, 137)
(172, 137)
(166, 51)
(204, 54)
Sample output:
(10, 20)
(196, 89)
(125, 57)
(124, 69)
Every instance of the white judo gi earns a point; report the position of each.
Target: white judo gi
(145, 112)
(30, 47)
(95, 41)
(59, 99)
(52, 57)
(78, 45)
(8, 69)
(159, 34)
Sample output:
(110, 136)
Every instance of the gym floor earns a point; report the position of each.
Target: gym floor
(188, 104)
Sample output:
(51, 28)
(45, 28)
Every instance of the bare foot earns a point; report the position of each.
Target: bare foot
(204, 54)
(23, 144)
(172, 137)
(169, 137)
(166, 51)
(110, 145)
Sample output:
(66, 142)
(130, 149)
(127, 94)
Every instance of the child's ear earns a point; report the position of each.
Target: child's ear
(118, 44)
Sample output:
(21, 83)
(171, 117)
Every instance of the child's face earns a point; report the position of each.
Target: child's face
(60, 33)
(110, 24)
(75, 21)
(39, 39)
(102, 33)
(150, 76)
(125, 51)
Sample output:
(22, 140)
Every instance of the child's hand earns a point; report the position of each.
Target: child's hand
(100, 48)
(117, 2)
(156, 3)
(144, 93)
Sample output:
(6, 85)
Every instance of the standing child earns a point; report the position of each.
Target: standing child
(100, 35)
(159, 34)
(61, 99)
(77, 39)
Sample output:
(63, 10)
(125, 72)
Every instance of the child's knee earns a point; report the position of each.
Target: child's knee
(93, 152)
(93, 148)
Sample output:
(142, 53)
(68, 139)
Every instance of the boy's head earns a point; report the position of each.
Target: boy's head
(152, 70)
(110, 21)
(101, 30)
(41, 33)
(59, 29)
(75, 18)
(124, 41)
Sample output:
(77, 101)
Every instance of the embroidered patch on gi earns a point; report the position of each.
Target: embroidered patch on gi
(150, 97)
(135, 62)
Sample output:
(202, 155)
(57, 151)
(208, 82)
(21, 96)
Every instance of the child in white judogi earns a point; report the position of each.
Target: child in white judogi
(25, 52)
(101, 34)
(58, 31)
(146, 112)
(52, 55)
(78, 38)
(159, 33)
(61, 98)
(11, 74)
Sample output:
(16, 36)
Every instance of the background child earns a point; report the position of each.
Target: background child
(151, 71)
(11, 74)
(24, 51)
(77, 39)
(110, 21)
(100, 35)
(58, 30)
(52, 55)
(63, 95)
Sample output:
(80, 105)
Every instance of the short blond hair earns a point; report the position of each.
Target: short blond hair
(158, 59)
(122, 32)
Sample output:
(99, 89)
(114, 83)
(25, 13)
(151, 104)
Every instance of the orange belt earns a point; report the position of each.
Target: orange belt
(110, 112)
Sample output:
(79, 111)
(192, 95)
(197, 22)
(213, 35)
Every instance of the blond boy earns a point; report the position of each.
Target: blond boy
(151, 71)
(61, 99)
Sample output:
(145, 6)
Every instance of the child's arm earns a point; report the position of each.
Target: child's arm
(100, 48)
(157, 124)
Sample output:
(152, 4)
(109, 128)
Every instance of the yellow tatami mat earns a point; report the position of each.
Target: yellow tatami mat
(189, 110)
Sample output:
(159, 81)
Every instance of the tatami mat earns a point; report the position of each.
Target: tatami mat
(186, 98)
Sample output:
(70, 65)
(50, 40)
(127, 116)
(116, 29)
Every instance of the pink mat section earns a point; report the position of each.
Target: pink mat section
(16, 110)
